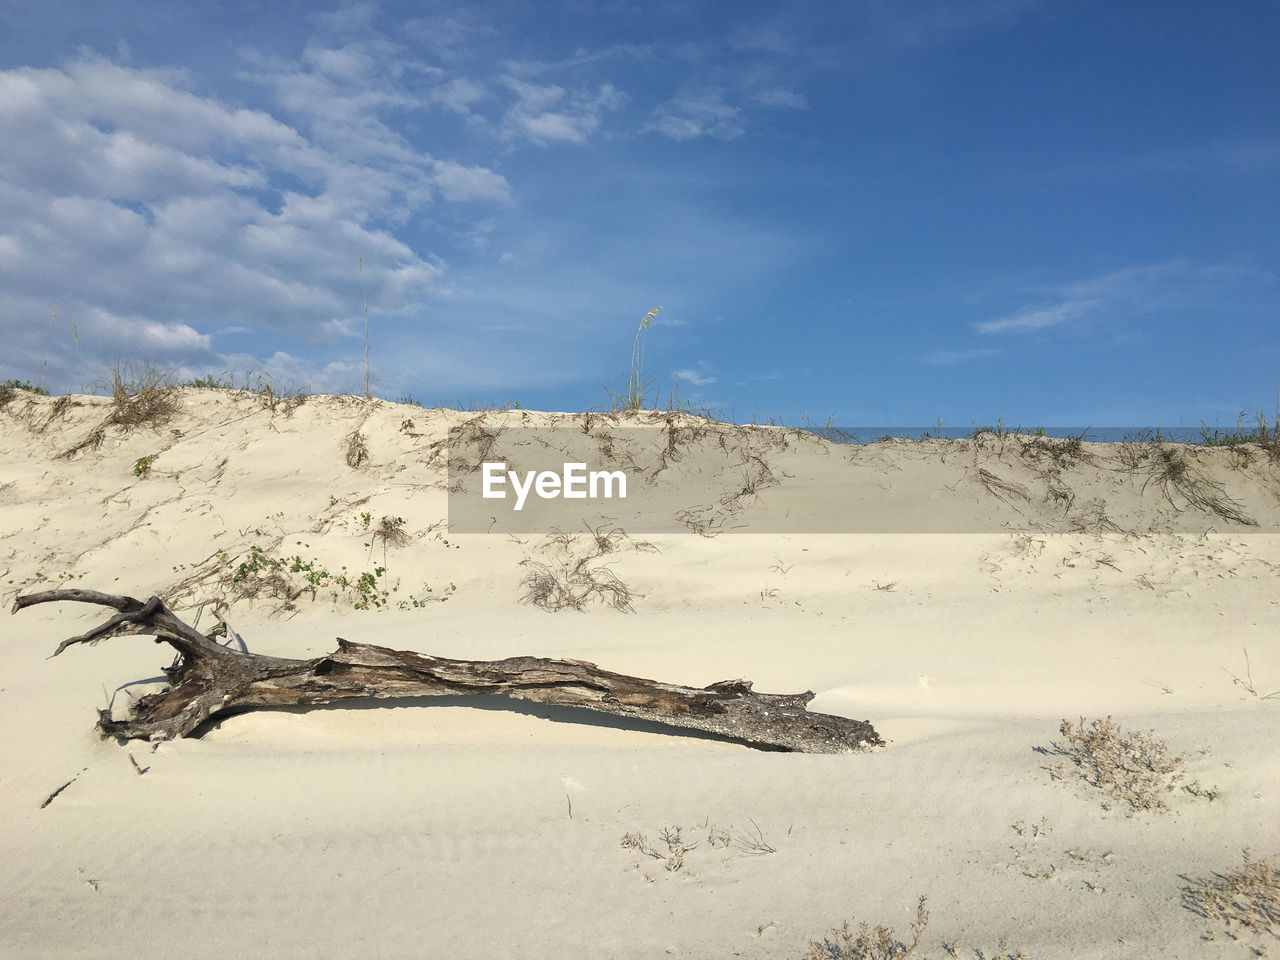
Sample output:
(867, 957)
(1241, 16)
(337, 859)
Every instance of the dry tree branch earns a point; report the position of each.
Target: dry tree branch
(211, 679)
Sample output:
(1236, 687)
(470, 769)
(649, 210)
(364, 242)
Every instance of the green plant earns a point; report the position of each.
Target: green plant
(634, 398)
(26, 385)
(142, 468)
(288, 578)
(1265, 434)
(211, 382)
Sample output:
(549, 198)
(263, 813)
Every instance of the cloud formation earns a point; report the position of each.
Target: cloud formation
(547, 113)
(698, 113)
(148, 211)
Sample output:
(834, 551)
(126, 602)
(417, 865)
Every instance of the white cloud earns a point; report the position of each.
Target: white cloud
(696, 113)
(458, 95)
(458, 182)
(150, 213)
(699, 378)
(946, 357)
(1036, 318)
(782, 99)
(1129, 292)
(546, 113)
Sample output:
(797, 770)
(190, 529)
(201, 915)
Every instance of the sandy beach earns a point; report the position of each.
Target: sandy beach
(982, 592)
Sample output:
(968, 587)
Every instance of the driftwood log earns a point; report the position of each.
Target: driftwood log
(208, 679)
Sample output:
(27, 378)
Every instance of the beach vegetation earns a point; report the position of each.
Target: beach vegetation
(356, 451)
(142, 396)
(1131, 767)
(880, 942)
(1264, 434)
(26, 385)
(262, 573)
(633, 399)
(142, 467)
(1244, 903)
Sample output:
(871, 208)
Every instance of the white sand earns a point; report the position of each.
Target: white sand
(477, 830)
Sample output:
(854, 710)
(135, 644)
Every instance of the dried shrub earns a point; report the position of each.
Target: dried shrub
(869, 943)
(881, 943)
(357, 452)
(1247, 899)
(677, 847)
(1131, 766)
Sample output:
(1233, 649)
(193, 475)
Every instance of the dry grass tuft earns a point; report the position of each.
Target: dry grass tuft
(473, 433)
(357, 452)
(1130, 766)
(1064, 452)
(143, 397)
(1174, 474)
(391, 532)
(91, 442)
(570, 579)
(573, 586)
(1001, 489)
(1248, 898)
(677, 847)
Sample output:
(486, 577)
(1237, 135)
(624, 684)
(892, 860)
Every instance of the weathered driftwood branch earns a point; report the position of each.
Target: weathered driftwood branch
(211, 678)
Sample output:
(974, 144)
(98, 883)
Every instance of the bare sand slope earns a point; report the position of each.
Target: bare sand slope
(1130, 581)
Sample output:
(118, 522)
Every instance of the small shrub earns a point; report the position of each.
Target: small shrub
(1130, 766)
(357, 452)
(261, 574)
(1248, 899)
(142, 467)
(1265, 435)
(10, 389)
(867, 943)
(881, 943)
(26, 385)
(211, 382)
(677, 847)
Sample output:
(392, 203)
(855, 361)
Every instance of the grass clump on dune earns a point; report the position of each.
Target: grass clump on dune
(143, 396)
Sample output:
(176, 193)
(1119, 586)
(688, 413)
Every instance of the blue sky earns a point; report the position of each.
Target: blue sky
(1059, 213)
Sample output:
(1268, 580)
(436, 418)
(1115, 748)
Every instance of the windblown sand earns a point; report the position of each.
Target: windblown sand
(484, 828)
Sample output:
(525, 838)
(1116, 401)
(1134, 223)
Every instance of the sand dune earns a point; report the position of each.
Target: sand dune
(975, 594)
